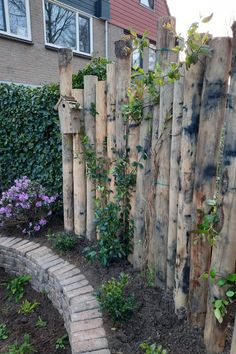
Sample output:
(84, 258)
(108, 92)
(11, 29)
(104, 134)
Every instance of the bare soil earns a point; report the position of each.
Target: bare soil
(154, 319)
(42, 339)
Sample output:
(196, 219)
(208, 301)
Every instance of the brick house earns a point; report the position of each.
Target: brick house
(31, 31)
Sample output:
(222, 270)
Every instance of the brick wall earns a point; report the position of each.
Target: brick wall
(33, 63)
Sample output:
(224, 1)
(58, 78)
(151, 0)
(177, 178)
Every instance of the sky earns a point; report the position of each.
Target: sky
(189, 11)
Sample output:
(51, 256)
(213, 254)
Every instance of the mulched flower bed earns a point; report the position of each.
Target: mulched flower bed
(42, 339)
(154, 319)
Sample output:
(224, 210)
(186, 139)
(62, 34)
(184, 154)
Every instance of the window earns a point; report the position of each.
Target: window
(15, 18)
(148, 3)
(137, 58)
(151, 58)
(65, 27)
(2, 17)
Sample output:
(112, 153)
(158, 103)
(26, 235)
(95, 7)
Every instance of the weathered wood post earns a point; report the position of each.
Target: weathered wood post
(79, 171)
(233, 345)
(123, 50)
(101, 123)
(65, 56)
(224, 252)
(151, 215)
(174, 178)
(211, 122)
(90, 131)
(193, 83)
(165, 42)
(111, 121)
(142, 188)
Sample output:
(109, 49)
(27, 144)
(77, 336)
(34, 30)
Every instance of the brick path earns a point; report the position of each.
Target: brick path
(66, 287)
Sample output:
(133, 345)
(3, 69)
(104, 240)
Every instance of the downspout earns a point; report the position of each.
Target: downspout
(106, 40)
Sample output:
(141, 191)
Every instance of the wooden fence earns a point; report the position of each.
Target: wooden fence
(182, 142)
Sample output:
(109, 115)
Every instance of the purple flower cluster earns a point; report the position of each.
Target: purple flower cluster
(26, 204)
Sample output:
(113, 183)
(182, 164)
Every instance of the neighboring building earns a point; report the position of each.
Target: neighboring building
(31, 31)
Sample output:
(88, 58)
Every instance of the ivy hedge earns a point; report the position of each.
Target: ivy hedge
(30, 141)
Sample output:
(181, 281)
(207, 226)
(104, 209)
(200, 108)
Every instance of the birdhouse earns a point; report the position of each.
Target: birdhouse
(69, 113)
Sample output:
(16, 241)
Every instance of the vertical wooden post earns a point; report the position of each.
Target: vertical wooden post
(101, 122)
(65, 56)
(79, 172)
(142, 186)
(90, 130)
(233, 344)
(123, 49)
(211, 123)
(224, 252)
(151, 215)
(165, 42)
(193, 83)
(174, 179)
(111, 120)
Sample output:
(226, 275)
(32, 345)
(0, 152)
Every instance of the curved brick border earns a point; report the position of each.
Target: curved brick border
(65, 286)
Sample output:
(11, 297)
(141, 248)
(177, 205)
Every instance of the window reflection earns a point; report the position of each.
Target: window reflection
(60, 25)
(152, 59)
(84, 40)
(149, 3)
(18, 17)
(2, 16)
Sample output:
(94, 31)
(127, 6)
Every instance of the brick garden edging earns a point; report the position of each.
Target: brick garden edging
(66, 287)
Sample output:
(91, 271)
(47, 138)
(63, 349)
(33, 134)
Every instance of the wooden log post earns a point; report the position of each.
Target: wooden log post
(174, 178)
(193, 83)
(210, 129)
(90, 131)
(151, 214)
(165, 42)
(233, 344)
(79, 172)
(224, 252)
(65, 56)
(111, 121)
(123, 50)
(101, 125)
(142, 188)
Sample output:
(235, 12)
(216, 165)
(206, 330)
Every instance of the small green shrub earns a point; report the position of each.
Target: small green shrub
(62, 342)
(28, 307)
(97, 67)
(63, 241)
(3, 331)
(41, 323)
(15, 286)
(24, 348)
(153, 348)
(113, 299)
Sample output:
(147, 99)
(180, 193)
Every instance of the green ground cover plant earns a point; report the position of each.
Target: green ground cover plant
(114, 300)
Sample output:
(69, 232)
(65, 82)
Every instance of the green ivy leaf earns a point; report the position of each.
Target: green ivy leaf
(218, 315)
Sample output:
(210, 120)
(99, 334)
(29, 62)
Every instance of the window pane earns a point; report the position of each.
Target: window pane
(2, 17)
(149, 3)
(152, 59)
(84, 35)
(136, 60)
(18, 17)
(60, 25)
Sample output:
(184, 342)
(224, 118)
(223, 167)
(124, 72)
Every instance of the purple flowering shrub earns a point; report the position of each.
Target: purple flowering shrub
(26, 205)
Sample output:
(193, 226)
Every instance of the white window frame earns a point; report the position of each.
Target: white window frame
(7, 22)
(77, 13)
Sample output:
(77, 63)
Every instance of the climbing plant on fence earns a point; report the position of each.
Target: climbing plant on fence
(30, 140)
